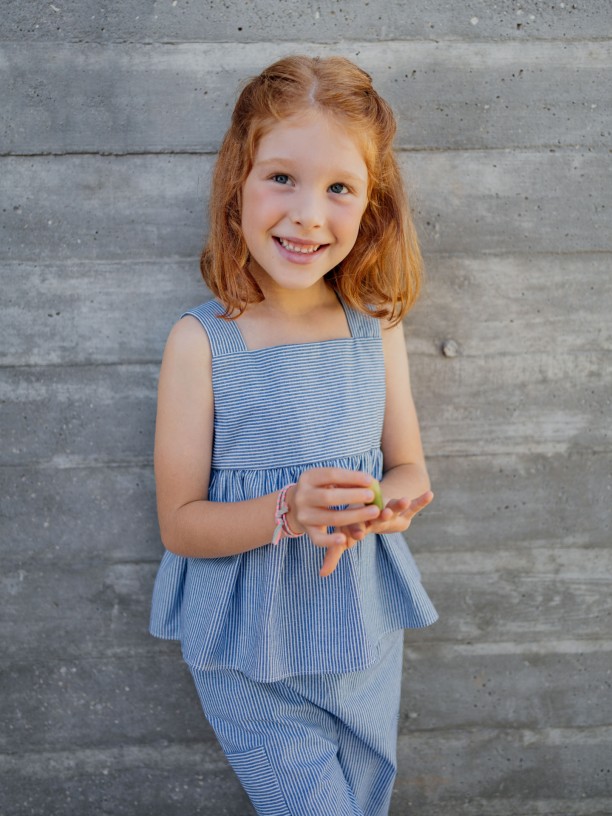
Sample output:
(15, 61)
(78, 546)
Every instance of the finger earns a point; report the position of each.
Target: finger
(397, 506)
(418, 504)
(423, 500)
(320, 537)
(350, 542)
(332, 559)
(320, 517)
(355, 532)
(388, 513)
(338, 476)
(334, 496)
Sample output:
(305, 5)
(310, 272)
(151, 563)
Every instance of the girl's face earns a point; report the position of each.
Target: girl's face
(303, 201)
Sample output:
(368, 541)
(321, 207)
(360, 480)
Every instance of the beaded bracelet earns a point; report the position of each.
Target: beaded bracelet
(280, 517)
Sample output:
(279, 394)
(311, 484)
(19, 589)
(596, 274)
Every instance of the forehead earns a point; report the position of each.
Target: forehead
(311, 137)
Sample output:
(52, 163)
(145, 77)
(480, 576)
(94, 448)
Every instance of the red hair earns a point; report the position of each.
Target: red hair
(381, 274)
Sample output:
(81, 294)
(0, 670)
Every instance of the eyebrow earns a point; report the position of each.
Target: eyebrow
(275, 161)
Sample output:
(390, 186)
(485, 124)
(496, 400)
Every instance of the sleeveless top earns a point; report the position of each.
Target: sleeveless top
(267, 612)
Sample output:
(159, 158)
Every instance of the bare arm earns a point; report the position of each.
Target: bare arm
(405, 473)
(191, 525)
(405, 484)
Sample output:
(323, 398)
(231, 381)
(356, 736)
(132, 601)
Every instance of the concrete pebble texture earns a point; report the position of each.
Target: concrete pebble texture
(111, 117)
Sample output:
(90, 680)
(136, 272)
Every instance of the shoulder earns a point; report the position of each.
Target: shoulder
(391, 332)
(187, 346)
(195, 325)
(394, 342)
(371, 320)
(206, 311)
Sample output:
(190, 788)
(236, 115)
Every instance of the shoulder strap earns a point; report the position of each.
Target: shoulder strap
(224, 335)
(360, 324)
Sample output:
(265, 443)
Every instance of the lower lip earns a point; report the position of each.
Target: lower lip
(300, 257)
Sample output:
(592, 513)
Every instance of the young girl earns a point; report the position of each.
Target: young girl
(281, 400)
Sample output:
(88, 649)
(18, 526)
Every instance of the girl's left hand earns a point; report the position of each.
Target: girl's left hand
(395, 517)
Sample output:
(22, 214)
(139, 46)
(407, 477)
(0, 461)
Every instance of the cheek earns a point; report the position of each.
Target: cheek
(350, 222)
(251, 214)
(256, 200)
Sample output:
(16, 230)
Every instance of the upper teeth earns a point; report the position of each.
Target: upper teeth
(294, 248)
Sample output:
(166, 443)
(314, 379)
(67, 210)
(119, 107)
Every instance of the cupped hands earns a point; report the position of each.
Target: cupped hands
(333, 507)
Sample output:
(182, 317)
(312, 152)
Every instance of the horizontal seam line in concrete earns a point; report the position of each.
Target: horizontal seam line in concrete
(49, 464)
(158, 260)
(524, 648)
(101, 562)
(525, 39)
(520, 648)
(85, 364)
(538, 735)
(539, 732)
(121, 747)
(141, 463)
(435, 352)
(423, 552)
(602, 147)
(138, 656)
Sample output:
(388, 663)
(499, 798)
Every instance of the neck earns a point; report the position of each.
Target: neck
(296, 303)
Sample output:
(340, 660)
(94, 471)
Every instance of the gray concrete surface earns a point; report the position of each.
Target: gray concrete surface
(110, 120)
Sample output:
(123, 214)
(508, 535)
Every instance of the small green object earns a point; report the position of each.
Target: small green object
(378, 497)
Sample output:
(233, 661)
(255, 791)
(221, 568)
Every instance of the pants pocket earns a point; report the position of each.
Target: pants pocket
(259, 780)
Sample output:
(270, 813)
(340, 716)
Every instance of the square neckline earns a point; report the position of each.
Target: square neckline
(239, 337)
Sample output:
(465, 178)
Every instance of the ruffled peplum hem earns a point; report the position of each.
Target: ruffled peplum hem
(268, 613)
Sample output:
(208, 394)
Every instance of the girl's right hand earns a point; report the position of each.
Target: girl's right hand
(311, 500)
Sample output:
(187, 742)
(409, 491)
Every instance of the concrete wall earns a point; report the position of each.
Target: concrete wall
(110, 118)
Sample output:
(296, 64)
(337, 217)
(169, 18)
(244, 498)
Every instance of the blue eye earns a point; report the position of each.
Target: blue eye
(280, 178)
(338, 188)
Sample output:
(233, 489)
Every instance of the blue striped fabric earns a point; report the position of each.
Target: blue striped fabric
(315, 744)
(279, 411)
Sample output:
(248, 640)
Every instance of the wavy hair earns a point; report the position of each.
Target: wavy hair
(381, 274)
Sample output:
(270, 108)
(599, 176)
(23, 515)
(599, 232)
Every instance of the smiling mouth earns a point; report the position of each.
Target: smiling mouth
(303, 249)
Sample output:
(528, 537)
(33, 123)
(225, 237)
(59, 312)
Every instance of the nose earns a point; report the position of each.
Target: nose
(308, 210)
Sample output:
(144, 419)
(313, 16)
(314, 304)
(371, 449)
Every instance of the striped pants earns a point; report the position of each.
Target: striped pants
(311, 745)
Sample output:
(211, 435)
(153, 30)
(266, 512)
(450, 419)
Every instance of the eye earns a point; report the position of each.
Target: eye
(338, 188)
(280, 178)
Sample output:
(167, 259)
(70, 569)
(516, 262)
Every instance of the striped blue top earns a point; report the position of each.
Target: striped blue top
(267, 612)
